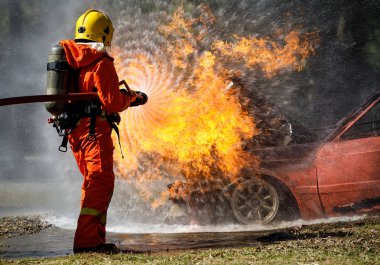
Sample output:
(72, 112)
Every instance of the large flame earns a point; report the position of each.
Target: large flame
(268, 55)
(191, 129)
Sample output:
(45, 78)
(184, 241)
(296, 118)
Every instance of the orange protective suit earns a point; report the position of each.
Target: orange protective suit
(94, 158)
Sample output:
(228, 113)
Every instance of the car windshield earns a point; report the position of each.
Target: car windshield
(370, 120)
(366, 126)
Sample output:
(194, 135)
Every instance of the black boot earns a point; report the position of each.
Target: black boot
(108, 248)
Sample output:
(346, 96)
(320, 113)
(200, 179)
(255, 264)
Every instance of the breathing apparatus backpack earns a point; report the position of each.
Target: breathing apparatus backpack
(57, 77)
(63, 79)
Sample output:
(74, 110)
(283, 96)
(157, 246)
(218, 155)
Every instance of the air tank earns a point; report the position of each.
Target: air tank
(57, 74)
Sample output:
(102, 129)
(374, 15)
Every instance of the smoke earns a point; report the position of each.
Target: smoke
(35, 177)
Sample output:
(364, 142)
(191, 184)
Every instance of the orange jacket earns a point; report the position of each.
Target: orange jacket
(97, 74)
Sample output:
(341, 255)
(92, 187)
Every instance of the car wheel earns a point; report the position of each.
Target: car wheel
(254, 201)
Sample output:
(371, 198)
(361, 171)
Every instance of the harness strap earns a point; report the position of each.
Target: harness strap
(93, 110)
(113, 120)
(58, 66)
(91, 135)
(116, 129)
(63, 146)
(67, 122)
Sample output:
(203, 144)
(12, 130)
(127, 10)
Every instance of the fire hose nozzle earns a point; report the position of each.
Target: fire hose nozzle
(141, 99)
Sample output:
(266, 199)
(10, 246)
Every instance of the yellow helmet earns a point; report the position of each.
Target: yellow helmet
(93, 25)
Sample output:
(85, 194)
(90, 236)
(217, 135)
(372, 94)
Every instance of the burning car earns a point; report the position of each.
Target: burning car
(337, 175)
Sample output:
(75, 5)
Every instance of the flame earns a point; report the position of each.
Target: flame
(203, 128)
(190, 129)
(269, 55)
(182, 41)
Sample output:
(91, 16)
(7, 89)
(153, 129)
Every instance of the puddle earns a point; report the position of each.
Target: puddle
(178, 241)
(48, 243)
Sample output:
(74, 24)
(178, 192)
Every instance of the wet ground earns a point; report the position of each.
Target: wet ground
(52, 241)
(47, 243)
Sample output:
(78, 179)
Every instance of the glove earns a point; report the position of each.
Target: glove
(131, 94)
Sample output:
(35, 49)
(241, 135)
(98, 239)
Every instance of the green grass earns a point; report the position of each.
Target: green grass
(343, 243)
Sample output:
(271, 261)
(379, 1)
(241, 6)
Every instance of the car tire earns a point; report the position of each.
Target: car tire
(261, 201)
(288, 208)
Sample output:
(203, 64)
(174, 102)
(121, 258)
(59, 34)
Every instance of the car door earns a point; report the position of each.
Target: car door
(348, 168)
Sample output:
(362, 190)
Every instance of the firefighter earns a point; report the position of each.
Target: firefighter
(93, 35)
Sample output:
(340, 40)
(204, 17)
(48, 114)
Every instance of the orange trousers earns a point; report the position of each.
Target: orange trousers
(95, 162)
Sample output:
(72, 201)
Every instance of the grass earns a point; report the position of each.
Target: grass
(340, 243)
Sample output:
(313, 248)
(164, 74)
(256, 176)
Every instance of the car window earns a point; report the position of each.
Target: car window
(366, 126)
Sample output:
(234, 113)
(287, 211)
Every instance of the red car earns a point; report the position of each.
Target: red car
(339, 175)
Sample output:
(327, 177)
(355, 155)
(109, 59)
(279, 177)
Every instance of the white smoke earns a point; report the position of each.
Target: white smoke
(35, 178)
